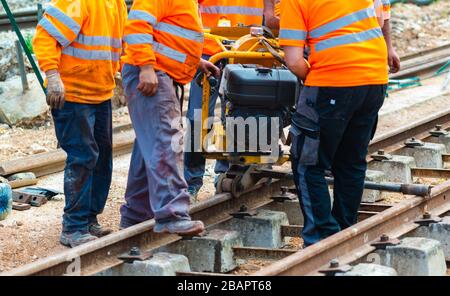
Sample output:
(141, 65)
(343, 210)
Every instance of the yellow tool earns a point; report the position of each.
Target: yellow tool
(241, 45)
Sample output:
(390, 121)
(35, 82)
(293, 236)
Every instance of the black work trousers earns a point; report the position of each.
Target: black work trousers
(331, 130)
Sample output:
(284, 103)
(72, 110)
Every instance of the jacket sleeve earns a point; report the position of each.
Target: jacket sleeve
(58, 28)
(143, 16)
(123, 18)
(386, 9)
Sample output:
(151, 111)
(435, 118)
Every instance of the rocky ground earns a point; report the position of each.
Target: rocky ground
(416, 28)
(19, 5)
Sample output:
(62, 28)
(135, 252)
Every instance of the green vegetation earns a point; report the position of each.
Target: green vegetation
(28, 41)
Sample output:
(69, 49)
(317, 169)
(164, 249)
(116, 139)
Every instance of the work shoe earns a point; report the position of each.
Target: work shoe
(193, 193)
(76, 239)
(180, 227)
(97, 230)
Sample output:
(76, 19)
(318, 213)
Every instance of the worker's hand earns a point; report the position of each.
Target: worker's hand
(148, 81)
(56, 95)
(393, 61)
(209, 69)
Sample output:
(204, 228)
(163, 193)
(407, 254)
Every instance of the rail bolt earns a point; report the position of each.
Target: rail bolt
(413, 142)
(384, 238)
(381, 155)
(135, 251)
(438, 131)
(334, 263)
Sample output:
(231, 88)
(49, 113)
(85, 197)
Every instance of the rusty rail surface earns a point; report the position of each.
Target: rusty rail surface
(396, 221)
(394, 140)
(102, 254)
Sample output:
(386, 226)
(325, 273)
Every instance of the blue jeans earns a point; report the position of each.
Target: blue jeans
(331, 130)
(156, 187)
(85, 133)
(194, 162)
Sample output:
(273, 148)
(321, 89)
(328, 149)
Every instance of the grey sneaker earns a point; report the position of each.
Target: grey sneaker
(98, 231)
(180, 227)
(76, 239)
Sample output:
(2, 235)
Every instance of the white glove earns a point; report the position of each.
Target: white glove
(55, 91)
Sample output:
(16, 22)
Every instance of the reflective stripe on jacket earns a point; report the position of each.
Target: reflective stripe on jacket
(237, 12)
(83, 40)
(346, 41)
(167, 34)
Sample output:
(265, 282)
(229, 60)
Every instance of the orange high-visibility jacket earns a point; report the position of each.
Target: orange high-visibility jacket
(386, 9)
(237, 12)
(166, 34)
(83, 40)
(382, 7)
(346, 41)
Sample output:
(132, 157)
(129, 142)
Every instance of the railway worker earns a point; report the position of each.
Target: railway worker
(164, 41)
(272, 13)
(214, 13)
(345, 84)
(78, 45)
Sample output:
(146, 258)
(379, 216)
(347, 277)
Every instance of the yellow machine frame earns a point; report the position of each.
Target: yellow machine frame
(246, 49)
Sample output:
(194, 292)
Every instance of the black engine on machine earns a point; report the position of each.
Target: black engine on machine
(262, 95)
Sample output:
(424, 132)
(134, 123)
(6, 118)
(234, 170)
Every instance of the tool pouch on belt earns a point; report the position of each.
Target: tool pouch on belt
(305, 129)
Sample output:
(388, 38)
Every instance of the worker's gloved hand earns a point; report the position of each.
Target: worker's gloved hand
(393, 61)
(209, 68)
(56, 95)
(148, 81)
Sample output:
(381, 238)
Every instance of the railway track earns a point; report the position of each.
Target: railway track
(350, 246)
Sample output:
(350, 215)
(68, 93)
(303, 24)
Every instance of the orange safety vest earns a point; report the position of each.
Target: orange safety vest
(165, 34)
(382, 7)
(386, 9)
(83, 40)
(218, 13)
(346, 42)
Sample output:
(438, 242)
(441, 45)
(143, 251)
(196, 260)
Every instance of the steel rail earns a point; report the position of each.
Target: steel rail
(395, 221)
(102, 254)
(394, 140)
